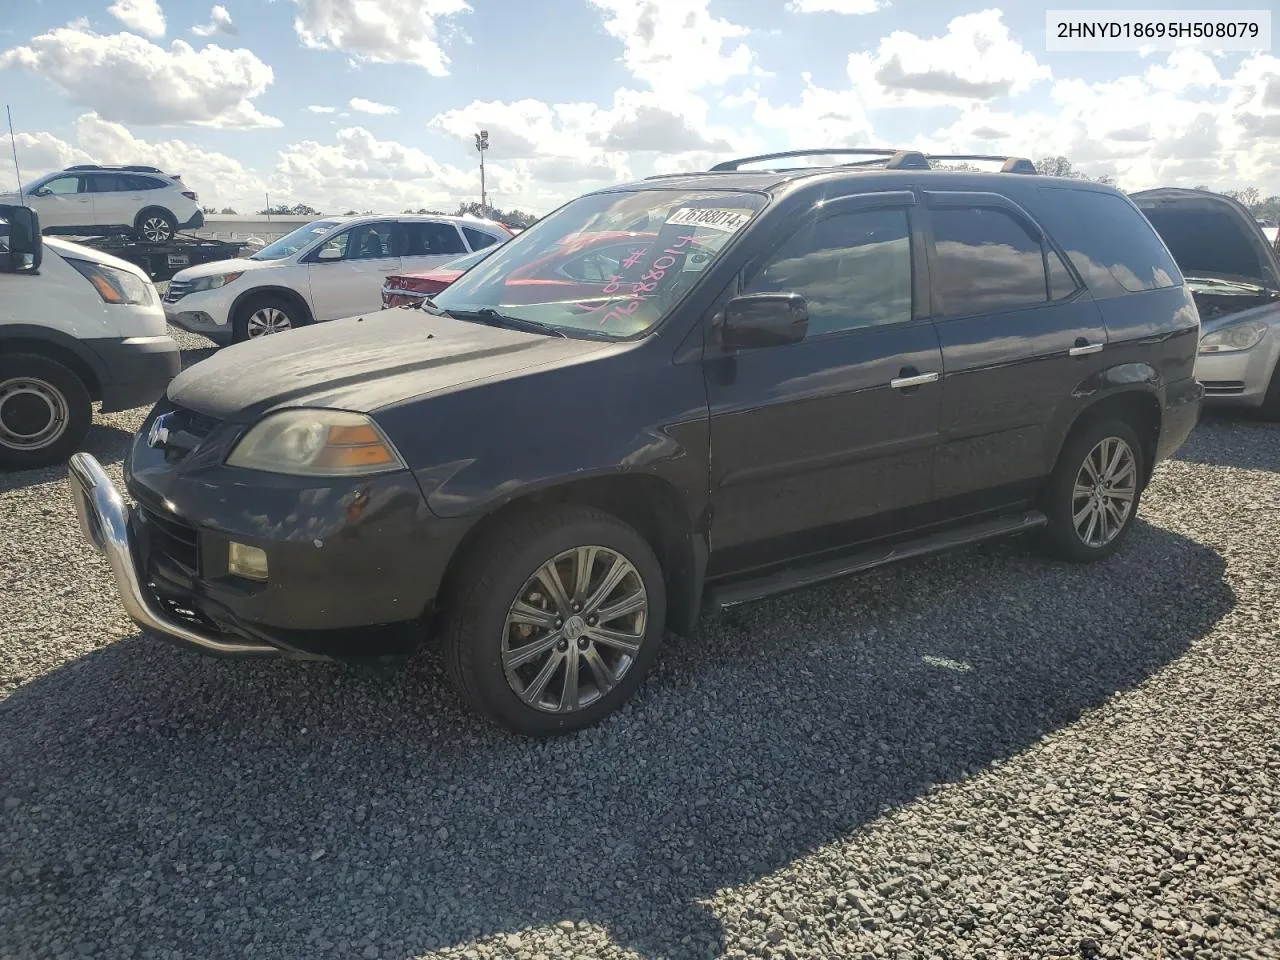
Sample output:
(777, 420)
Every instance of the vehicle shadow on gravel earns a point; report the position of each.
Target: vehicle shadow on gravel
(107, 442)
(279, 809)
(1235, 439)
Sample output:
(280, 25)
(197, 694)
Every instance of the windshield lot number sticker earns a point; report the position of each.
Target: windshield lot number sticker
(713, 218)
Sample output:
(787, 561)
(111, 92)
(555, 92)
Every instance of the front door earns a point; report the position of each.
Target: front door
(829, 441)
(64, 202)
(1018, 333)
(351, 284)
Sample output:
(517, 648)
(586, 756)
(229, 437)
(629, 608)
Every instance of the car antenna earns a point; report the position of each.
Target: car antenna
(13, 142)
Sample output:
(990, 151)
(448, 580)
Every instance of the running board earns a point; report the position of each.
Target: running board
(799, 577)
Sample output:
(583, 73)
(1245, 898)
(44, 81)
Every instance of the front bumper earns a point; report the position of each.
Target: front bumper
(134, 370)
(197, 321)
(1239, 379)
(104, 521)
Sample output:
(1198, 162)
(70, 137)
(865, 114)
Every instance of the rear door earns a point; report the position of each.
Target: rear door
(64, 202)
(112, 205)
(429, 243)
(352, 284)
(831, 440)
(1018, 333)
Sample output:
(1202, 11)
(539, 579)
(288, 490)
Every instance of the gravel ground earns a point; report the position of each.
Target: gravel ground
(984, 754)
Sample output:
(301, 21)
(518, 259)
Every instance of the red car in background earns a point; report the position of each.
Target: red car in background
(410, 289)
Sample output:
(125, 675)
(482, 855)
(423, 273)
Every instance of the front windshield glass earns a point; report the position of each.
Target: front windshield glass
(291, 243)
(611, 264)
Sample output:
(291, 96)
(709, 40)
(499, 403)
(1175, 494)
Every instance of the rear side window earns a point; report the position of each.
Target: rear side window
(853, 269)
(479, 239)
(1108, 241)
(134, 181)
(106, 182)
(431, 239)
(986, 262)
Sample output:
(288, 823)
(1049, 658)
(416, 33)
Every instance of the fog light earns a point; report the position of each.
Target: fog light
(246, 561)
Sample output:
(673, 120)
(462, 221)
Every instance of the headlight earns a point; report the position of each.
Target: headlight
(1238, 336)
(316, 443)
(113, 285)
(214, 282)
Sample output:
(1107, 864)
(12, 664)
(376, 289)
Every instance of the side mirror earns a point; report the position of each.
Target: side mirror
(765, 320)
(43, 192)
(24, 242)
(328, 253)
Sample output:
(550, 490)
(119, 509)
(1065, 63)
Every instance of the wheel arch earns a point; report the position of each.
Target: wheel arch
(56, 346)
(651, 505)
(155, 208)
(243, 301)
(1139, 406)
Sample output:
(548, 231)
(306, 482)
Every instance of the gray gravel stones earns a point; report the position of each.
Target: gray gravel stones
(985, 754)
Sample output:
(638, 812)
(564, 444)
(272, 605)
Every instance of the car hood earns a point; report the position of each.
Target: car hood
(225, 266)
(363, 364)
(1210, 235)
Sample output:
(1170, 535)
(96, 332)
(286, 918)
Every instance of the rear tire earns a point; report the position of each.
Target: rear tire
(45, 411)
(264, 316)
(511, 644)
(155, 226)
(1092, 497)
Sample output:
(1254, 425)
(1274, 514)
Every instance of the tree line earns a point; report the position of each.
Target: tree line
(512, 218)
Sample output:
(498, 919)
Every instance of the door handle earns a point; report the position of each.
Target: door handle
(913, 380)
(1083, 348)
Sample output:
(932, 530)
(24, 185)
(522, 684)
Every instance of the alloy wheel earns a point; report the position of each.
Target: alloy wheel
(266, 321)
(33, 414)
(156, 229)
(574, 629)
(1105, 488)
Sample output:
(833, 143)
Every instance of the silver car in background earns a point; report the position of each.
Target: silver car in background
(1234, 275)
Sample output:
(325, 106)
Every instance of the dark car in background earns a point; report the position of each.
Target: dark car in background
(777, 376)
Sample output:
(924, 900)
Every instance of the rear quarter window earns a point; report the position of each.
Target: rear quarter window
(1111, 244)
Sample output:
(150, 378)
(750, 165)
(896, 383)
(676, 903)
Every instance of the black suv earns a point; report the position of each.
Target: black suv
(691, 391)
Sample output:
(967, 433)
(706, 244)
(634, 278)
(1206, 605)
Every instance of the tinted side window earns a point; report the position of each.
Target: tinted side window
(106, 182)
(854, 270)
(1061, 282)
(986, 262)
(431, 239)
(64, 185)
(1110, 243)
(371, 241)
(479, 239)
(134, 181)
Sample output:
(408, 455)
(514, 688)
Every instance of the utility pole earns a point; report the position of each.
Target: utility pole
(482, 144)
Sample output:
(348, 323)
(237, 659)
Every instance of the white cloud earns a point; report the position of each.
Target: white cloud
(975, 60)
(317, 109)
(127, 79)
(219, 23)
(145, 16)
(836, 6)
(388, 31)
(677, 46)
(362, 105)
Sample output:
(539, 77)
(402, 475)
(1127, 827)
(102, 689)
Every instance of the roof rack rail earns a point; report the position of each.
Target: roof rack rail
(131, 167)
(893, 159)
(1009, 164)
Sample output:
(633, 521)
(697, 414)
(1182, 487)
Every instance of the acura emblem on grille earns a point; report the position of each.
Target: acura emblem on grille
(158, 435)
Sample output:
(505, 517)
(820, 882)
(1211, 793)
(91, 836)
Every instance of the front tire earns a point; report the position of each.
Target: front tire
(263, 317)
(553, 621)
(1092, 497)
(155, 226)
(45, 411)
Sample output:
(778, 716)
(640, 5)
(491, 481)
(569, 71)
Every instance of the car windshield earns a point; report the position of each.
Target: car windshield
(291, 243)
(469, 260)
(607, 264)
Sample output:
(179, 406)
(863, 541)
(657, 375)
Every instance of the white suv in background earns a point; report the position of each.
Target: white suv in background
(91, 200)
(327, 270)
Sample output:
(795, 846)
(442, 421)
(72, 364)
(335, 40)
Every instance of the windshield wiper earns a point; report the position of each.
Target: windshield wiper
(491, 317)
(1221, 283)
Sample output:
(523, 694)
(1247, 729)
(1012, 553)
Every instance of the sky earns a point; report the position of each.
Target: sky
(373, 104)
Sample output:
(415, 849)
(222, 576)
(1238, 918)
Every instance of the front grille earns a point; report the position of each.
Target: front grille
(1223, 388)
(172, 550)
(177, 290)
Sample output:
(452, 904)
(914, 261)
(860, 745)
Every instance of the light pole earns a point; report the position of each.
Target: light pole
(482, 144)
